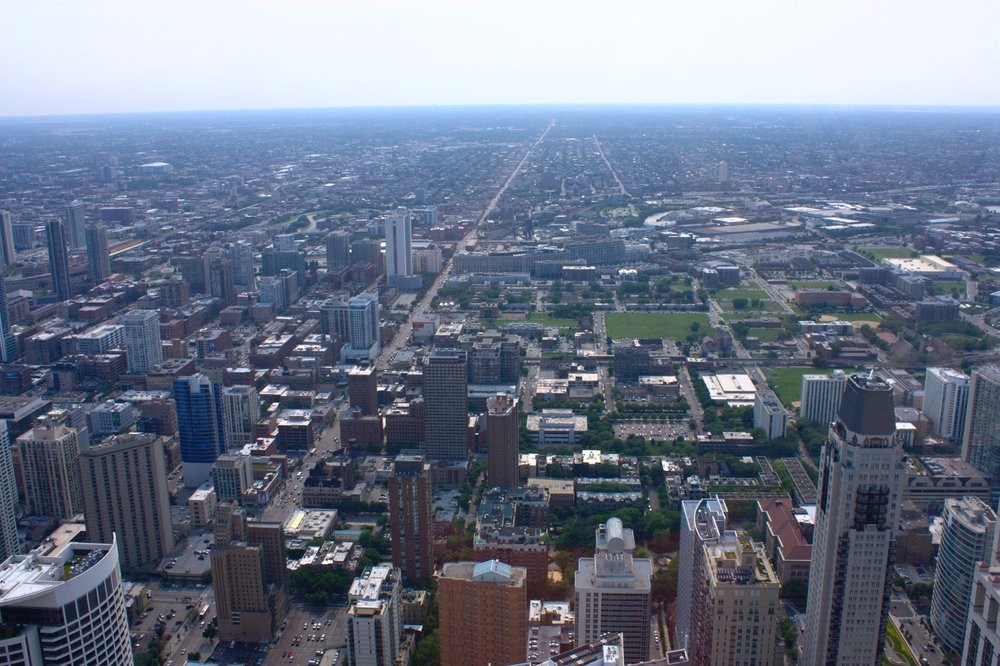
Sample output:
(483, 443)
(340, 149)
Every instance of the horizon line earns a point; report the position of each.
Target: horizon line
(994, 108)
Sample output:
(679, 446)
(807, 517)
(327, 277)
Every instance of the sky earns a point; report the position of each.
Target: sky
(101, 56)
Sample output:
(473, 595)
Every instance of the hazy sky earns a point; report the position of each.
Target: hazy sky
(90, 56)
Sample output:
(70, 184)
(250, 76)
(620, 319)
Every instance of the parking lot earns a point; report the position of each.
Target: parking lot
(663, 430)
(308, 631)
(178, 610)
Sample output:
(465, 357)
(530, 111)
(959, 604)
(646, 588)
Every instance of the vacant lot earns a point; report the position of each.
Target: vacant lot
(880, 253)
(655, 324)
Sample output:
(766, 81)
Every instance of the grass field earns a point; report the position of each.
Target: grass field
(549, 320)
(898, 646)
(946, 286)
(730, 294)
(851, 316)
(765, 334)
(655, 324)
(881, 253)
(787, 382)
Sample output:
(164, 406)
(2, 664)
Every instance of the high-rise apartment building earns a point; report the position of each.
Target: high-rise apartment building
(125, 493)
(199, 425)
(8, 343)
(7, 252)
(232, 474)
(703, 522)
(860, 490)
(398, 246)
(334, 318)
(821, 394)
(736, 605)
(220, 276)
(98, 253)
(142, 340)
(241, 254)
(483, 610)
(966, 540)
(446, 401)
(101, 339)
(411, 516)
(50, 462)
(769, 414)
(374, 622)
(75, 225)
(363, 327)
(64, 609)
(338, 250)
(981, 444)
(10, 542)
(246, 558)
(55, 233)
(613, 593)
(240, 411)
(503, 441)
(981, 646)
(362, 390)
(946, 398)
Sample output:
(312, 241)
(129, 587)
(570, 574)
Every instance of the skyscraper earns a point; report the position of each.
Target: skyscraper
(736, 604)
(702, 522)
(219, 275)
(65, 608)
(362, 390)
(503, 440)
(49, 455)
(613, 593)
(10, 542)
(240, 411)
(55, 233)
(966, 539)
(338, 250)
(125, 493)
(981, 444)
(241, 254)
(334, 318)
(247, 562)
(446, 401)
(820, 397)
(232, 474)
(411, 516)
(860, 490)
(7, 252)
(374, 623)
(98, 254)
(75, 225)
(398, 247)
(8, 344)
(142, 340)
(363, 327)
(483, 613)
(769, 414)
(982, 634)
(946, 398)
(199, 424)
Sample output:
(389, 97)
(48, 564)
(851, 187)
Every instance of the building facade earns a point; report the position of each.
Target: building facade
(860, 490)
(503, 441)
(411, 516)
(613, 592)
(981, 443)
(55, 233)
(240, 411)
(446, 394)
(64, 609)
(98, 253)
(50, 462)
(483, 613)
(142, 340)
(966, 540)
(125, 495)
(702, 522)
(199, 424)
(374, 623)
(10, 542)
(398, 246)
(821, 394)
(946, 398)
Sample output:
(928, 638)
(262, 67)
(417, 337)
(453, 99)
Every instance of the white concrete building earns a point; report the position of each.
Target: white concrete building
(398, 246)
(373, 617)
(946, 397)
(861, 486)
(65, 609)
(820, 398)
(613, 592)
(240, 411)
(142, 340)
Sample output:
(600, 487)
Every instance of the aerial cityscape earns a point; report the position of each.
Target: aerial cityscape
(553, 384)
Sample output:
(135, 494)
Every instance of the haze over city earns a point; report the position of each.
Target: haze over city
(66, 57)
(523, 334)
